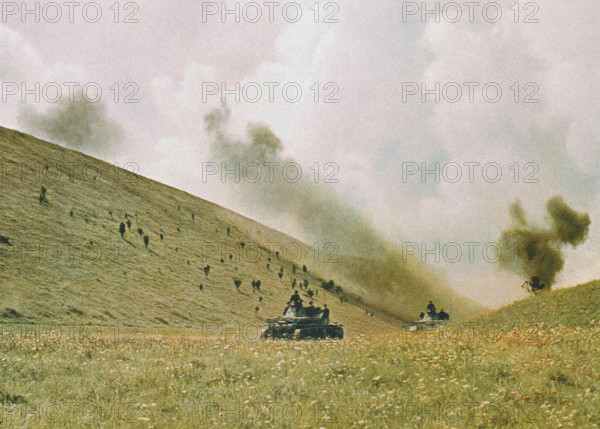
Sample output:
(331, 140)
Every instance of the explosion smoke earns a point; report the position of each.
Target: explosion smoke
(324, 217)
(534, 251)
(317, 209)
(78, 124)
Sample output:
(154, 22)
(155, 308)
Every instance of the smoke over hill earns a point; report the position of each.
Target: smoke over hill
(379, 272)
(534, 251)
(321, 214)
(78, 124)
(69, 261)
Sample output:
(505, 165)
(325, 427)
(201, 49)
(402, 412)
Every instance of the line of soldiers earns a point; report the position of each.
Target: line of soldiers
(295, 305)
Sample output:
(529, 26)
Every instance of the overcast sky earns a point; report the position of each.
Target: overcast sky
(369, 58)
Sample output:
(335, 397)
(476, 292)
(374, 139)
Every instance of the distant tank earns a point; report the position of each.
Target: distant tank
(430, 319)
(425, 323)
(296, 325)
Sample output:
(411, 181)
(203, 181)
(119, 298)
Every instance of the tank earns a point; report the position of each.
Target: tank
(301, 327)
(430, 319)
(425, 323)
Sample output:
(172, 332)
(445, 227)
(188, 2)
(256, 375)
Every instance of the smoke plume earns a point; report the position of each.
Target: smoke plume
(316, 208)
(374, 264)
(534, 251)
(78, 124)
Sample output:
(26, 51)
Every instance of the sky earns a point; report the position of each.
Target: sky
(523, 126)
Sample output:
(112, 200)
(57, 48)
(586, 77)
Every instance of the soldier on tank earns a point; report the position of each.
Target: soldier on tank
(287, 308)
(317, 311)
(325, 314)
(442, 315)
(296, 300)
(431, 310)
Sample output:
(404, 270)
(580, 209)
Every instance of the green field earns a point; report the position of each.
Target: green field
(464, 375)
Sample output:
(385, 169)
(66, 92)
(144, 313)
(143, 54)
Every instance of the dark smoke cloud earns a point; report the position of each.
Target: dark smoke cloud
(371, 262)
(315, 207)
(79, 125)
(534, 251)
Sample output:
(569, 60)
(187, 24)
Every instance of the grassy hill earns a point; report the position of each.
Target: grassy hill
(381, 282)
(63, 260)
(535, 378)
(577, 306)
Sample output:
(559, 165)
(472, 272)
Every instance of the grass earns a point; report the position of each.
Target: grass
(526, 373)
(577, 306)
(191, 358)
(530, 377)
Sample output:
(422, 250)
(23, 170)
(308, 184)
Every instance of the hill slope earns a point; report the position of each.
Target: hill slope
(62, 259)
(577, 306)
